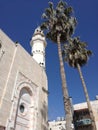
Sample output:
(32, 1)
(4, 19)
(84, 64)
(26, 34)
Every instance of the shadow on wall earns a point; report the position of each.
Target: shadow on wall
(2, 128)
(44, 117)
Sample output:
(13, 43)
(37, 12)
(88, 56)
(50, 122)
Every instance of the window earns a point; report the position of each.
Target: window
(22, 108)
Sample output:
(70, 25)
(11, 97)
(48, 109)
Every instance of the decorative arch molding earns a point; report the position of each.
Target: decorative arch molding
(22, 82)
(22, 85)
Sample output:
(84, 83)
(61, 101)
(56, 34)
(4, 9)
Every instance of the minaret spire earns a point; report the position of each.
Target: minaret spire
(38, 44)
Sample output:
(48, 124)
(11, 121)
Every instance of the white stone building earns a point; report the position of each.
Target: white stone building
(23, 84)
(58, 124)
(81, 117)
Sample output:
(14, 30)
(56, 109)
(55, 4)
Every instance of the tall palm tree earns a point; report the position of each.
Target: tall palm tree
(59, 25)
(77, 55)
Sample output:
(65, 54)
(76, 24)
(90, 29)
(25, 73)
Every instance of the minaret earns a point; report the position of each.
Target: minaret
(38, 44)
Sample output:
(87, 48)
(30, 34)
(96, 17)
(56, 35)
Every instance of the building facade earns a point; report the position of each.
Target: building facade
(58, 124)
(23, 84)
(81, 118)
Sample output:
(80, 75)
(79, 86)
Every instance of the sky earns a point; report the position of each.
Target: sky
(19, 19)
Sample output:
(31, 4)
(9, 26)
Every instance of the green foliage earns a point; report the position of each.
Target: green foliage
(58, 20)
(76, 52)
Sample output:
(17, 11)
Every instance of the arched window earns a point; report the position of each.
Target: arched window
(24, 110)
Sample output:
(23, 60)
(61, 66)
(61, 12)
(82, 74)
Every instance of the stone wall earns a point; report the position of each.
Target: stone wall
(16, 68)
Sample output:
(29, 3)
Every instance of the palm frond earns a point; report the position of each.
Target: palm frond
(76, 52)
(58, 20)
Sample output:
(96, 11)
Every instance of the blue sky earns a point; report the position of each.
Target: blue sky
(19, 18)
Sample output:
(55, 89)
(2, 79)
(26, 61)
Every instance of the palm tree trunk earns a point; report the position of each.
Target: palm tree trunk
(87, 97)
(66, 99)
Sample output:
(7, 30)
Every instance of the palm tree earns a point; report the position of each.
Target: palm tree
(77, 55)
(59, 25)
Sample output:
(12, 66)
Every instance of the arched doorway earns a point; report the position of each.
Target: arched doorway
(24, 111)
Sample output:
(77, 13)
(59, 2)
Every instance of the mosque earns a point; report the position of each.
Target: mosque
(24, 89)
(23, 84)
